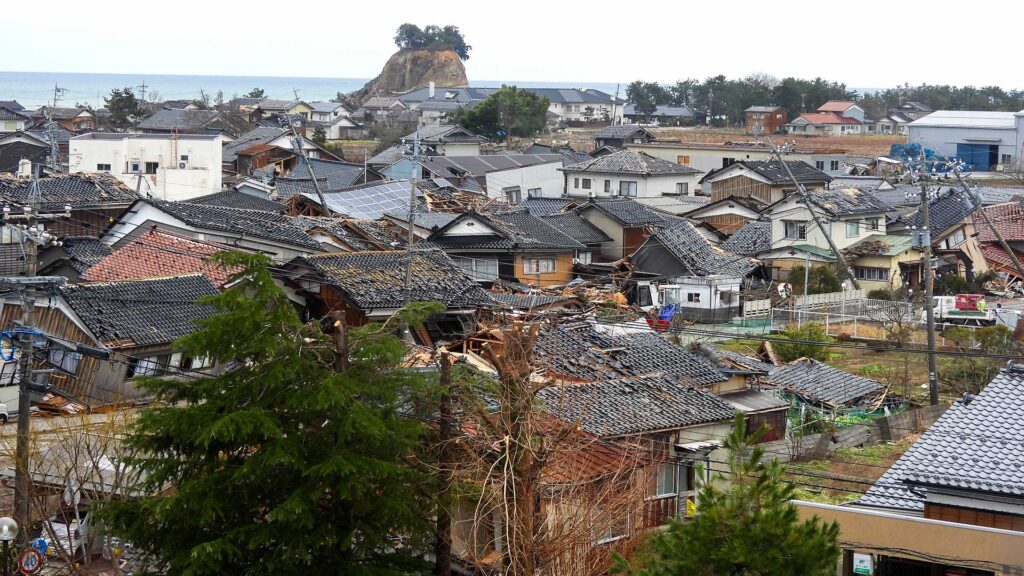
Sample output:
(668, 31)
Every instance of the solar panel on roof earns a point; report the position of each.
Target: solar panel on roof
(369, 203)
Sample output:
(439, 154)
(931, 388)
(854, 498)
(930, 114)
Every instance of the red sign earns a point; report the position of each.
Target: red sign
(30, 561)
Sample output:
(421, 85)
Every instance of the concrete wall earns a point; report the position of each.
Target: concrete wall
(461, 149)
(547, 177)
(201, 174)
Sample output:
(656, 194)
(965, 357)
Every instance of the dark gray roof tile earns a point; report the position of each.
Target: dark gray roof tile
(818, 382)
(630, 162)
(754, 237)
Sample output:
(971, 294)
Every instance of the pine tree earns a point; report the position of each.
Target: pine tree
(745, 525)
(291, 462)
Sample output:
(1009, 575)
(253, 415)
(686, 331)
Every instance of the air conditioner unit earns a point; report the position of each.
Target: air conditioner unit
(182, 165)
(999, 168)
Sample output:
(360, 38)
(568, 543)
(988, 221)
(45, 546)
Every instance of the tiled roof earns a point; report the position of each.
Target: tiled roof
(428, 220)
(820, 383)
(448, 166)
(1008, 218)
(633, 405)
(384, 234)
(630, 162)
(773, 171)
(763, 109)
(12, 105)
(848, 202)
(576, 352)
(519, 301)
(674, 205)
(836, 106)
(84, 251)
(259, 135)
(540, 206)
(443, 132)
(621, 131)
(577, 228)
(159, 255)
(234, 199)
(141, 312)
(170, 119)
(880, 245)
(257, 223)
(388, 156)
(755, 236)
(515, 231)
(8, 114)
(76, 190)
(866, 183)
(625, 211)
(331, 174)
(660, 111)
(728, 358)
(946, 211)
(373, 280)
(693, 251)
(974, 447)
(827, 118)
(997, 258)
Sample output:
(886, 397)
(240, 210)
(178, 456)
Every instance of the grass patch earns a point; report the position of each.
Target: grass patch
(876, 454)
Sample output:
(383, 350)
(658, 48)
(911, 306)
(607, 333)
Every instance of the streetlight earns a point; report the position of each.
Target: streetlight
(8, 532)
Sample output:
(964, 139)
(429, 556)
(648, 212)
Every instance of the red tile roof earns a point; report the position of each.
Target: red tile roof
(999, 260)
(1008, 218)
(836, 106)
(158, 255)
(827, 118)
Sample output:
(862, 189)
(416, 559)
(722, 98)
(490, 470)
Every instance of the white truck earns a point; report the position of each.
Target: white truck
(962, 309)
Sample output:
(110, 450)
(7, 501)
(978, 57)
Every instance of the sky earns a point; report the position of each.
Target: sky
(867, 44)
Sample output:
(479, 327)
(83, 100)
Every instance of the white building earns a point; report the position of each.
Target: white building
(160, 166)
(706, 156)
(629, 174)
(986, 141)
(534, 181)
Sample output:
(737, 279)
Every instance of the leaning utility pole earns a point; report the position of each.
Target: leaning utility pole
(802, 191)
(926, 246)
(297, 144)
(976, 200)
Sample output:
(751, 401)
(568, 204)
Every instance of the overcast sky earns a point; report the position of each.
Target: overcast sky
(866, 44)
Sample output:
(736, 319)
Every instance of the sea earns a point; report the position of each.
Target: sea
(34, 89)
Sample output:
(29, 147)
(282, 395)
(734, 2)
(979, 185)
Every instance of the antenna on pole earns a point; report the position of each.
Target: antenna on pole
(295, 91)
(416, 174)
(142, 91)
(51, 132)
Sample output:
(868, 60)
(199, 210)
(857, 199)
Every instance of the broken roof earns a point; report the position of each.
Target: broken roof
(625, 211)
(235, 199)
(818, 382)
(376, 280)
(75, 190)
(773, 171)
(693, 251)
(973, 447)
(256, 223)
(157, 254)
(847, 202)
(332, 175)
(622, 131)
(946, 211)
(630, 162)
(141, 312)
(84, 251)
(446, 166)
(509, 231)
(754, 237)
(577, 228)
(1008, 218)
(634, 405)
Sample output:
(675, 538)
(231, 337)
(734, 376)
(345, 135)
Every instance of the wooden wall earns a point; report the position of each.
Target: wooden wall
(974, 517)
(743, 187)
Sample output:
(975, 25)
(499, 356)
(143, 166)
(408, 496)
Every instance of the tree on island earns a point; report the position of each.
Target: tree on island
(508, 112)
(411, 37)
(255, 93)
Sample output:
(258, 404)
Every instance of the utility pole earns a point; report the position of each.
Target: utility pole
(297, 144)
(142, 91)
(926, 245)
(51, 132)
(802, 191)
(446, 465)
(416, 173)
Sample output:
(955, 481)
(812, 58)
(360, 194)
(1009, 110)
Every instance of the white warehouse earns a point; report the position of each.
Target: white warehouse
(985, 141)
(159, 166)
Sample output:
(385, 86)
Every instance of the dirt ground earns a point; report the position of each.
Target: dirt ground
(866, 145)
(846, 473)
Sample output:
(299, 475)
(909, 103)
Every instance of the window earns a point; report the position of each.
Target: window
(534, 192)
(151, 167)
(627, 188)
(188, 363)
(955, 239)
(576, 183)
(586, 183)
(833, 165)
(664, 483)
(682, 188)
(693, 297)
(513, 194)
(795, 230)
(819, 164)
(852, 228)
(103, 167)
(538, 265)
(64, 359)
(607, 186)
(683, 160)
(143, 367)
(872, 274)
(135, 167)
(607, 527)
(585, 257)
(9, 236)
(184, 157)
(872, 223)
(479, 269)
(728, 162)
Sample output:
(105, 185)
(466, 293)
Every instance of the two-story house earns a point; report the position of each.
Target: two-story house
(12, 120)
(855, 221)
(954, 236)
(766, 181)
(765, 119)
(835, 117)
(629, 174)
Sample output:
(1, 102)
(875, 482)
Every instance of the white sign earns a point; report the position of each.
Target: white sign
(862, 564)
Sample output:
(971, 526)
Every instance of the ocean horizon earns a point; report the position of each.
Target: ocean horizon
(35, 89)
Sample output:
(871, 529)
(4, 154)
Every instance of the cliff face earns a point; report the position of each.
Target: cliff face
(410, 69)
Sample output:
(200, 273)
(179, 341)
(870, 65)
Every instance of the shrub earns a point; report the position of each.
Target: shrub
(803, 343)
